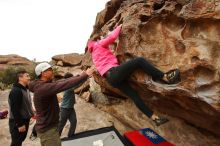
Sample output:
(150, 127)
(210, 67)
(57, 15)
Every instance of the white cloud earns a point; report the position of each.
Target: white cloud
(43, 28)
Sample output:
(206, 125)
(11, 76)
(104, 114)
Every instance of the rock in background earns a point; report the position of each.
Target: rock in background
(14, 60)
(72, 59)
(67, 63)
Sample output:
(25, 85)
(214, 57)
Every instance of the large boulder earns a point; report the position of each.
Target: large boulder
(182, 34)
(13, 60)
(61, 71)
(67, 63)
(72, 59)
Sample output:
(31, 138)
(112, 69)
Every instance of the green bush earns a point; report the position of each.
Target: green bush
(32, 74)
(8, 76)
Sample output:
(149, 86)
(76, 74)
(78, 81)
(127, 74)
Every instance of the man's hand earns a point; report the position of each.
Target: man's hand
(22, 129)
(90, 71)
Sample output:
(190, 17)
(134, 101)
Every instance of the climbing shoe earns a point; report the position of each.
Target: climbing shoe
(173, 76)
(160, 121)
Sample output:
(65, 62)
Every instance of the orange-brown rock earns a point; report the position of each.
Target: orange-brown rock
(61, 70)
(13, 60)
(72, 59)
(182, 34)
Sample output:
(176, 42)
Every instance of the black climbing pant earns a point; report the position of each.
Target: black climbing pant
(117, 76)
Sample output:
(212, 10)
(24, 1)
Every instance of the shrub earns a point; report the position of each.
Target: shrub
(8, 76)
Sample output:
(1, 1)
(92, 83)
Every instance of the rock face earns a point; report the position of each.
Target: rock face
(176, 130)
(13, 60)
(72, 59)
(182, 34)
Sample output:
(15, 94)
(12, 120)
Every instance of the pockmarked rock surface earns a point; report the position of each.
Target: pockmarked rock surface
(171, 34)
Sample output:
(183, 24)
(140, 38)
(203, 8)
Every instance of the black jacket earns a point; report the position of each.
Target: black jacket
(20, 104)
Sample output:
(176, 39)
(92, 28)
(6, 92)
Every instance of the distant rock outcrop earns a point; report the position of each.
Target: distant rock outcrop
(13, 60)
(182, 34)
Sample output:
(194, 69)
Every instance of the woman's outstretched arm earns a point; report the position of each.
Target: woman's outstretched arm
(111, 37)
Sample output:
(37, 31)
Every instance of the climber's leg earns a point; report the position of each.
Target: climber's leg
(129, 91)
(120, 73)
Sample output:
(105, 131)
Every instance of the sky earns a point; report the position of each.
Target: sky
(40, 29)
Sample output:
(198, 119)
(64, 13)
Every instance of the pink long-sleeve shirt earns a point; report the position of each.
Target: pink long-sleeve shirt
(102, 57)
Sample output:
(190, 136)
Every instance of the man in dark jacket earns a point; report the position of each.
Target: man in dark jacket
(46, 103)
(20, 109)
